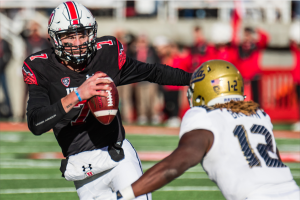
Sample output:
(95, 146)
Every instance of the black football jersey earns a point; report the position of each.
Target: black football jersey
(78, 130)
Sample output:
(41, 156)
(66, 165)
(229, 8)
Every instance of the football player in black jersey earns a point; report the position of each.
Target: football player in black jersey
(98, 157)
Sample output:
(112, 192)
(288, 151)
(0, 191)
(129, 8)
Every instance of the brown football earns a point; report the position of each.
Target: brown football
(105, 108)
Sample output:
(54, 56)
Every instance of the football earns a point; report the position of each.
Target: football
(105, 108)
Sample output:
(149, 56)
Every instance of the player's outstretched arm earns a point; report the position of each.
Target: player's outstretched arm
(135, 71)
(87, 90)
(191, 149)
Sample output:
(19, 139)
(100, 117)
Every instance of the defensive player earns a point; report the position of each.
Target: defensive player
(98, 157)
(232, 139)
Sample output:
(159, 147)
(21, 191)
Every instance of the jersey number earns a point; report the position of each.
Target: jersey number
(99, 44)
(84, 112)
(43, 56)
(263, 149)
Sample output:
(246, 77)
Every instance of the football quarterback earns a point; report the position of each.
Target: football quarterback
(63, 78)
(230, 137)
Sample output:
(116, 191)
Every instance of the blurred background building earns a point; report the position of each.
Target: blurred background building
(261, 37)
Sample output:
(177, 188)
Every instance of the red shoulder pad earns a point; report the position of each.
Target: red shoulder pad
(122, 54)
(28, 75)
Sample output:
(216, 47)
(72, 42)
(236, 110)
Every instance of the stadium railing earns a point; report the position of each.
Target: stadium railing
(278, 95)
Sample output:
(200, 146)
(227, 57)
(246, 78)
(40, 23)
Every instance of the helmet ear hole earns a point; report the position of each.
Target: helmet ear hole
(198, 99)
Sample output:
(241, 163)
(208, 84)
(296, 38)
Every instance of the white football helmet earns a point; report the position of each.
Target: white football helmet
(72, 17)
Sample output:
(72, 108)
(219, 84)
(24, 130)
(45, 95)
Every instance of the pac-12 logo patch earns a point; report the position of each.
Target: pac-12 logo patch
(66, 81)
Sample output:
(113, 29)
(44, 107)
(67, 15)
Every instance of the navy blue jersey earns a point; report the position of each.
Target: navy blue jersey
(78, 130)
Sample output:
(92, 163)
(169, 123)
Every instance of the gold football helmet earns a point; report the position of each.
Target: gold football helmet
(215, 81)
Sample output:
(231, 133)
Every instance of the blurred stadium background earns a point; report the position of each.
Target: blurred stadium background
(261, 37)
(184, 34)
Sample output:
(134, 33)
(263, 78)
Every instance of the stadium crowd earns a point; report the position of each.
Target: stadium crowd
(156, 104)
(146, 103)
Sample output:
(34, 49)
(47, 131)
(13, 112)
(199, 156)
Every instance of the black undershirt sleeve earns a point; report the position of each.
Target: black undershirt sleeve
(135, 71)
(42, 116)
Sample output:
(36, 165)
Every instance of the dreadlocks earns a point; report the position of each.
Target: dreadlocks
(245, 107)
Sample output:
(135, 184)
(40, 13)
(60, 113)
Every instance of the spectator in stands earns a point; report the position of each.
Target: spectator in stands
(221, 35)
(295, 48)
(247, 61)
(200, 50)
(5, 56)
(126, 91)
(296, 5)
(34, 42)
(148, 109)
(170, 55)
(34, 39)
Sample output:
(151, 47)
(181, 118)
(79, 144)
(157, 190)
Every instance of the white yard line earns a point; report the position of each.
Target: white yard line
(58, 176)
(23, 163)
(288, 147)
(293, 165)
(71, 189)
(189, 188)
(20, 137)
(37, 190)
(29, 176)
(193, 176)
(193, 169)
(27, 149)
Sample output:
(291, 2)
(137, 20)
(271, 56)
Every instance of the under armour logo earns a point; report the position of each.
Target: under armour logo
(89, 167)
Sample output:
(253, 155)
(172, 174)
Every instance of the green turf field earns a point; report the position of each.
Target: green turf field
(27, 179)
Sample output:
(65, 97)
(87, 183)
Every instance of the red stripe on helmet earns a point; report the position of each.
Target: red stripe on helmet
(50, 19)
(72, 11)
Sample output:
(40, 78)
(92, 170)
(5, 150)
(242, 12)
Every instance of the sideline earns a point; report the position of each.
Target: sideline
(142, 130)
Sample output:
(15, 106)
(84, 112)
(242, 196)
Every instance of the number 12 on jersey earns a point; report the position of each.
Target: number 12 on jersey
(263, 149)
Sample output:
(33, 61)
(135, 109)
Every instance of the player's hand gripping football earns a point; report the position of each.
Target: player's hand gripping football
(94, 86)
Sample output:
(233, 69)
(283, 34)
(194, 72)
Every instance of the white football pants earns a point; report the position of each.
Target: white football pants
(124, 174)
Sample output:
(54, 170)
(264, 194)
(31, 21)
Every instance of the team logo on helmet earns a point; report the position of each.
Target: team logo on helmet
(65, 81)
(217, 89)
(198, 75)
